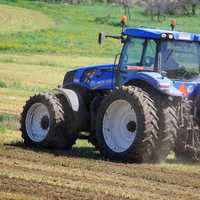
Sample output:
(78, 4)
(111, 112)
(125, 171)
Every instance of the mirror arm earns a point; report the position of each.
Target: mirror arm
(118, 37)
(103, 35)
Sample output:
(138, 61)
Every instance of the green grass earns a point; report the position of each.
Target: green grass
(8, 122)
(75, 28)
(15, 19)
(2, 84)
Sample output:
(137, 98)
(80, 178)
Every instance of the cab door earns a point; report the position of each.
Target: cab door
(139, 54)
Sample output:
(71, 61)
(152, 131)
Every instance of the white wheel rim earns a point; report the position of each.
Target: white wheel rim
(36, 128)
(118, 134)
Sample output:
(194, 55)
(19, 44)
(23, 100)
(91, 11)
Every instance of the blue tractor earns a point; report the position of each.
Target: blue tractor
(136, 110)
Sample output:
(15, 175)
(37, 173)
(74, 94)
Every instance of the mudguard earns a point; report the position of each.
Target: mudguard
(76, 103)
(157, 81)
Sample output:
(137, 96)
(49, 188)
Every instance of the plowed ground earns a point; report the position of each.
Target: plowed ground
(80, 174)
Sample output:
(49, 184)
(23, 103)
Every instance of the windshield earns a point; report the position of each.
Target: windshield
(139, 54)
(180, 59)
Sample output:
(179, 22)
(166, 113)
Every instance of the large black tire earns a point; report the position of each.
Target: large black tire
(168, 128)
(93, 119)
(146, 128)
(59, 123)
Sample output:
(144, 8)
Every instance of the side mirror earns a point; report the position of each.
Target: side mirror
(101, 38)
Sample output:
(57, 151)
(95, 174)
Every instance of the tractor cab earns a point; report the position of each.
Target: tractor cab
(158, 54)
(173, 54)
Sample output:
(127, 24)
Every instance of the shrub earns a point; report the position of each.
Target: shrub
(2, 84)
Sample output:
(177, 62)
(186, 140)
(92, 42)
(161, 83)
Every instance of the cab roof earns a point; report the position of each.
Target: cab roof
(156, 34)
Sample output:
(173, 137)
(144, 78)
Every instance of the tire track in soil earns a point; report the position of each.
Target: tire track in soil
(81, 184)
(150, 172)
(119, 182)
(155, 181)
(48, 191)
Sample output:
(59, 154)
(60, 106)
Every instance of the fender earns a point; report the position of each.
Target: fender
(157, 81)
(76, 103)
(70, 96)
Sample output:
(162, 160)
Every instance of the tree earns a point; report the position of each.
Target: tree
(156, 8)
(160, 8)
(194, 6)
(126, 5)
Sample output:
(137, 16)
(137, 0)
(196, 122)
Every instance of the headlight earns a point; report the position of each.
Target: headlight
(169, 36)
(164, 35)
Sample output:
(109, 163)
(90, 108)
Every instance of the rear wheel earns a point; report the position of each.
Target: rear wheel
(127, 125)
(168, 128)
(45, 122)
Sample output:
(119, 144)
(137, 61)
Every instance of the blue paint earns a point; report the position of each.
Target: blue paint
(156, 34)
(102, 77)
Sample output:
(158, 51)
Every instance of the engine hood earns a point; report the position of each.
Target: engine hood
(99, 66)
(95, 76)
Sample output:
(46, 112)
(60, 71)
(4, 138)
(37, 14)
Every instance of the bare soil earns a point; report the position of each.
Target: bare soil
(81, 174)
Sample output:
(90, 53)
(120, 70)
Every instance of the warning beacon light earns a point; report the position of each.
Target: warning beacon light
(173, 24)
(123, 20)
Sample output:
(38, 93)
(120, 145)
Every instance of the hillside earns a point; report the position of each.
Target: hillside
(72, 30)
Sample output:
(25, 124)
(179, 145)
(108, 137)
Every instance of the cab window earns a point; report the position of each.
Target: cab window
(139, 54)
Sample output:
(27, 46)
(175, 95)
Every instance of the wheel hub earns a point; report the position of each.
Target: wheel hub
(120, 126)
(45, 122)
(131, 126)
(37, 122)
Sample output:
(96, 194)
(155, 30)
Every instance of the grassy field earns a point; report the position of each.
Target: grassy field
(38, 45)
(73, 30)
(15, 19)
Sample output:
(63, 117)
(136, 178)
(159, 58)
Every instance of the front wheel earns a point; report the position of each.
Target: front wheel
(127, 125)
(45, 122)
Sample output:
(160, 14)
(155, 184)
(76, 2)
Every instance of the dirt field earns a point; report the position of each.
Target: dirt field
(80, 174)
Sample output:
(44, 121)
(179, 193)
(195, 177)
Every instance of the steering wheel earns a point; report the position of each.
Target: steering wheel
(148, 61)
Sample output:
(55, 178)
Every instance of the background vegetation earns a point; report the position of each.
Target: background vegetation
(73, 30)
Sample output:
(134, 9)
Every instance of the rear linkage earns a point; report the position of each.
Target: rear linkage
(188, 143)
